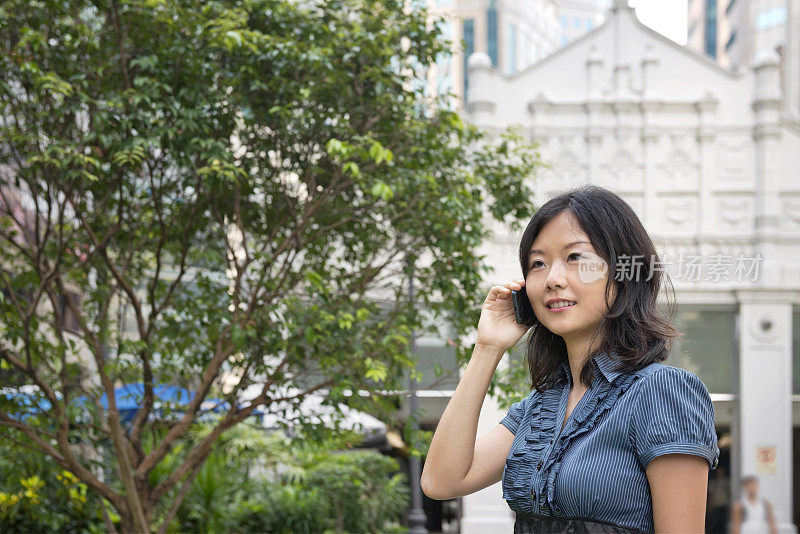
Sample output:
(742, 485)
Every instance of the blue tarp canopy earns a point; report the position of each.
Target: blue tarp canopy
(129, 398)
(22, 404)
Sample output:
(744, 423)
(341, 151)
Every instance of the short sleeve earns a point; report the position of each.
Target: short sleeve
(515, 414)
(674, 414)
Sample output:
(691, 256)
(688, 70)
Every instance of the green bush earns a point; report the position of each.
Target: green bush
(38, 495)
(348, 492)
(281, 509)
(360, 490)
(266, 482)
(217, 489)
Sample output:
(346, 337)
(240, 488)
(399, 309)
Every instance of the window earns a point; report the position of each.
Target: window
(576, 23)
(730, 7)
(731, 40)
(512, 49)
(589, 24)
(711, 28)
(469, 46)
(564, 40)
(709, 347)
(769, 18)
(564, 22)
(491, 31)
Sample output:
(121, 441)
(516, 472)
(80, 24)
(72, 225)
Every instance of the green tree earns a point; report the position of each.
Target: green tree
(253, 182)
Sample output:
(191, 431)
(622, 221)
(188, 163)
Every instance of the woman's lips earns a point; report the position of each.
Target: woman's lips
(561, 309)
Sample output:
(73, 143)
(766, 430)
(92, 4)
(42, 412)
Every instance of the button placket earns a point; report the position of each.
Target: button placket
(562, 409)
(552, 456)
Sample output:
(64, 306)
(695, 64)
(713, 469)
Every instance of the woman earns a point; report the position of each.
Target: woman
(609, 439)
(752, 514)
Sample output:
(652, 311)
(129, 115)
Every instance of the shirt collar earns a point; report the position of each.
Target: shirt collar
(603, 361)
(607, 364)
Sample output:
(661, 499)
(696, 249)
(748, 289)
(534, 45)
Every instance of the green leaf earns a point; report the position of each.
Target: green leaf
(333, 147)
(315, 278)
(380, 189)
(375, 151)
(345, 321)
(352, 169)
(376, 370)
(233, 38)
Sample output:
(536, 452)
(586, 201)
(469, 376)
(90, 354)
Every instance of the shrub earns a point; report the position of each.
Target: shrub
(347, 492)
(38, 495)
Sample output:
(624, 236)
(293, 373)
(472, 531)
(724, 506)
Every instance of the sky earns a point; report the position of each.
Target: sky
(667, 17)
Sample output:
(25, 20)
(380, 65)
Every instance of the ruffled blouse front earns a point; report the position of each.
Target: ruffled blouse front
(595, 466)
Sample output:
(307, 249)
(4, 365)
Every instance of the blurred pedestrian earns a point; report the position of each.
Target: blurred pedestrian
(752, 514)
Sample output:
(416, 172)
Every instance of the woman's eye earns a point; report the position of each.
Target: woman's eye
(533, 265)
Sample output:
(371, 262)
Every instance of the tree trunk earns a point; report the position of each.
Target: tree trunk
(128, 522)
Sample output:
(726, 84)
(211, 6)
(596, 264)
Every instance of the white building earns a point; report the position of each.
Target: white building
(708, 159)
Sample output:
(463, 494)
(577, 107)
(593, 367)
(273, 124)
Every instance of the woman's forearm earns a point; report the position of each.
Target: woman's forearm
(453, 445)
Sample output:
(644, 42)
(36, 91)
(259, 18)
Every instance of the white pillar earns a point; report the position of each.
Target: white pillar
(481, 94)
(767, 138)
(593, 108)
(765, 386)
(791, 61)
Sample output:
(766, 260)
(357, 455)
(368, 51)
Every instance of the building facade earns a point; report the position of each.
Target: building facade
(577, 17)
(707, 159)
(736, 32)
(513, 33)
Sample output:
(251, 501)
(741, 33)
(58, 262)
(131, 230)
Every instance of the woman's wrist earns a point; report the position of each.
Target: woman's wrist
(489, 351)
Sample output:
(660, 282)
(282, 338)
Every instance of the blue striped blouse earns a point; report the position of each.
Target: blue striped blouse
(595, 466)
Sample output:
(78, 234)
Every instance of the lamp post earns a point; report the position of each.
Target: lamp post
(416, 516)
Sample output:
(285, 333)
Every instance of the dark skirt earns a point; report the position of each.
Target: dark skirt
(542, 524)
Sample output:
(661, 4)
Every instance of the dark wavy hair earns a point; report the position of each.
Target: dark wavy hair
(633, 331)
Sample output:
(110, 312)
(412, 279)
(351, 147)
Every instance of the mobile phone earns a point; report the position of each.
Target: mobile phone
(523, 310)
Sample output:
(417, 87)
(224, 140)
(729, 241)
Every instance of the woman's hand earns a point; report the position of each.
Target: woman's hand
(497, 326)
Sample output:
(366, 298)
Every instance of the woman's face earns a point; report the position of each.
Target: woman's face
(564, 264)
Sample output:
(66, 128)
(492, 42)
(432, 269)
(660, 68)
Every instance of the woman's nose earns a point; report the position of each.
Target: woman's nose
(556, 276)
